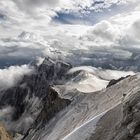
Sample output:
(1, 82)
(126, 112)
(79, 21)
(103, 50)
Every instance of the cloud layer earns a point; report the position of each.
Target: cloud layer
(28, 12)
(113, 43)
(10, 76)
(89, 79)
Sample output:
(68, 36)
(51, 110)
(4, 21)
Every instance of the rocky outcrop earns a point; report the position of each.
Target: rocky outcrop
(41, 107)
(113, 81)
(52, 105)
(3, 134)
(122, 122)
(33, 97)
(129, 126)
(111, 114)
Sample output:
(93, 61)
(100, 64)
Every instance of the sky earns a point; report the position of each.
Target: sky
(99, 33)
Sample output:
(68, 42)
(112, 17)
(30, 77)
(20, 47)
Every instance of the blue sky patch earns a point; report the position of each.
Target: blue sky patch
(91, 17)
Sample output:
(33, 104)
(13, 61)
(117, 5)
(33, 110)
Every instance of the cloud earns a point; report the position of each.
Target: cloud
(101, 73)
(90, 79)
(110, 44)
(36, 3)
(30, 11)
(10, 76)
(6, 114)
(22, 49)
(6, 111)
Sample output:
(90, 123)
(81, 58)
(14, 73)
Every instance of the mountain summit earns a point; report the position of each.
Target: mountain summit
(41, 107)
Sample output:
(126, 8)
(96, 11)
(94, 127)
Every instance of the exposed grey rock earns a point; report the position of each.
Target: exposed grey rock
(113, 81)
(106, 115)
(32, 95)
(43, 111)
(121, 122)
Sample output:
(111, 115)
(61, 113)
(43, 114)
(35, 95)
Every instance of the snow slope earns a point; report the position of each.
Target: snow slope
(84, 111)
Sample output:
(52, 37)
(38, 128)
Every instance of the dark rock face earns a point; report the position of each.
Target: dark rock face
(52, 105)
(93, 116)
(41, 113)
(34, 97)
(129, 127)
(113, 82)
(121, 122)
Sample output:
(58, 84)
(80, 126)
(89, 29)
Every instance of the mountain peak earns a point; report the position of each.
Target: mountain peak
(48, 61)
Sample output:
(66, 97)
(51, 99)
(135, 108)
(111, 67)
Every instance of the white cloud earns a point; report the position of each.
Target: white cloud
(108, 44)
(7, 111)
(36, 3)
(103, 45)
(101, 73)
(115, 39)
(10, 76)
(90, 79)
(114, 30)
(30, 12)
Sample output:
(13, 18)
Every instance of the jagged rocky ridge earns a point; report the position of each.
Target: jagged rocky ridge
(111, 114)
(43, 109)
(33, 97)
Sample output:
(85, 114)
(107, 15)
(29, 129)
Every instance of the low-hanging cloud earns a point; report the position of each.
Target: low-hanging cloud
(91, 79)
(102, 73)
(12, 75)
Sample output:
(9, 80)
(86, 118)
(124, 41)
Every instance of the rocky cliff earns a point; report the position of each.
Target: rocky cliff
(110, 114)
(33, 99)
(3, 134)
(41, 107)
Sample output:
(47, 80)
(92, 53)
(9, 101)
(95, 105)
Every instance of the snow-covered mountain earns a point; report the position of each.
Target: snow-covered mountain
(61, 102)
